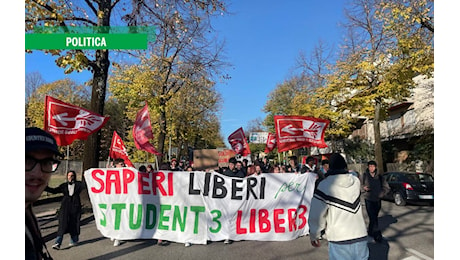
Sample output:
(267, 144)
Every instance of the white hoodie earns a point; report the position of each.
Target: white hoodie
(336, 207)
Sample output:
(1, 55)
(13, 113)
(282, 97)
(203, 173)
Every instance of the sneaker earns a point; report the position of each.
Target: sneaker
(56, 246)
(164, 243)
(71, 244)
(116, 242)
(188, 244)
(227, 241)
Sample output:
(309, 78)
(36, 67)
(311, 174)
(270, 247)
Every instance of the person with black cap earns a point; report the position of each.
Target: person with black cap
(374, 187)
(336, 209)
(232, 171)
(41, 160)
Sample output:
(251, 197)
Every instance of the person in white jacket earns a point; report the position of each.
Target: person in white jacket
(336, 208)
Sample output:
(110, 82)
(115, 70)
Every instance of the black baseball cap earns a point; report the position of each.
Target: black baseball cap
(38, 139)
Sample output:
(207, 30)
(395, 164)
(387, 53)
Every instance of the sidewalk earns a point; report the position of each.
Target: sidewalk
(93, 245)
(46, 215)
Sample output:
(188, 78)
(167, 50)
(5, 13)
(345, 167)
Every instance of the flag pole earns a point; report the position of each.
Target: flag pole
(156, 162)
(67, 161)
(108, 162)
(279, 158)
(169, 150)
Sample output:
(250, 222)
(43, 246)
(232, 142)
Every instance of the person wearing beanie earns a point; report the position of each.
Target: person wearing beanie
(336, 209)
(374, 187)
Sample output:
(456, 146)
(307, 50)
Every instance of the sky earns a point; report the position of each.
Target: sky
(262, 41)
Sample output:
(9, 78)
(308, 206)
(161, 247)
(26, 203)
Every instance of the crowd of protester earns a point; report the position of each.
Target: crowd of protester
(242, 168)
(42, 155)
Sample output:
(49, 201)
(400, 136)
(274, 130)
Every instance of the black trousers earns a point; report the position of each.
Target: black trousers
(373, 209)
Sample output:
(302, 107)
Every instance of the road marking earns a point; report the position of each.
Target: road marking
(418, 254)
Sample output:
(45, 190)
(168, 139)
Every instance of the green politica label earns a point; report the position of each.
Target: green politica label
(96, 37)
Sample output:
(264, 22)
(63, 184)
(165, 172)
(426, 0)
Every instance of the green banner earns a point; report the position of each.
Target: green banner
(86, 41)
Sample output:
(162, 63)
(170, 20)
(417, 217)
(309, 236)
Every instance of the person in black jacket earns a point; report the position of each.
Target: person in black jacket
(70, 211)
(374, 187)
(41, 160)
(232, 171)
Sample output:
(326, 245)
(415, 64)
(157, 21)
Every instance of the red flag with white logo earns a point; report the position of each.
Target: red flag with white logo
(142, 131)
(118, 149)
(238, 142)
(271, 143)
(293, 132)
(67, 122)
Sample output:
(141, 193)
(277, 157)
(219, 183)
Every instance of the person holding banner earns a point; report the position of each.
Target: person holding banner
(174, 166)
(293, 165)
(70, 210)
(336, 208)
(41, 160)
(239, 167)
(149, 168)
(258, 170)
(232, 171)
(119, 163)
(310, 166)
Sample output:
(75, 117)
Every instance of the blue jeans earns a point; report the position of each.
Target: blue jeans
(73, 239)
(354, 251)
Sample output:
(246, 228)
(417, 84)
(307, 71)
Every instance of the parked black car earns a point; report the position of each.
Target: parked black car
(409, 187)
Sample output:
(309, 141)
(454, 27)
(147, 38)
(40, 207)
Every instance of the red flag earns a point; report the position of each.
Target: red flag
(67, 122)
(271, 143)
(142, 131)
(238, 142)
(118, 149)
(294, 132)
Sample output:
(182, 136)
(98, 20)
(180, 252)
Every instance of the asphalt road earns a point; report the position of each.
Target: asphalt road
(409, 234)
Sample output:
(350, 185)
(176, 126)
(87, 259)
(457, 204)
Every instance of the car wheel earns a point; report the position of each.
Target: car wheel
(399, 199)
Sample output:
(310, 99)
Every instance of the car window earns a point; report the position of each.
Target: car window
(393, 177)
(412, 177)
(425, 178)
(420, 177)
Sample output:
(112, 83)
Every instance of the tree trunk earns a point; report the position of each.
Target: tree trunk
(92, 145)
(100, 68)
(377, 138)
